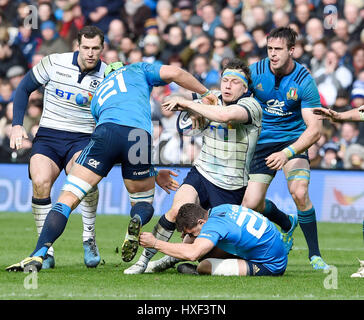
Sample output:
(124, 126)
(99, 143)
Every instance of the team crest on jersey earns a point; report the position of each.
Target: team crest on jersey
(292, 94)
(94, 84)
(259, 87)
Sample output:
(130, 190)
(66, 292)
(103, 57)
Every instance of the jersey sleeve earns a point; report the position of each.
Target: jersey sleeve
(42, 70)
(310, 95)
(214, 230)
(152, 73)
(253, 108)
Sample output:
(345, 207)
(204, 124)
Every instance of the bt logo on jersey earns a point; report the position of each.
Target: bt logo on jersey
(82, 99)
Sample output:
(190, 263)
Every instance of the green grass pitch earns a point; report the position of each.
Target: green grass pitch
(340, 245)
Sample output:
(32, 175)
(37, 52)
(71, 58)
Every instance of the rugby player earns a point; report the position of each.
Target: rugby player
(287, 93)
(70, 80)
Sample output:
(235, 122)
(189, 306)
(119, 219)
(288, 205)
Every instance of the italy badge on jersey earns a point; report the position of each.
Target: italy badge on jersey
(292, 94)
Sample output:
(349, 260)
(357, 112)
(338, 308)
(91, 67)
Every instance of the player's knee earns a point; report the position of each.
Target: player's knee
(41, 186)
(253, 203)
(204, 267)
(299, 195)
(76, 186)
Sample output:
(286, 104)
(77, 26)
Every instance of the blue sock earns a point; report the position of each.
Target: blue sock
(53, 227)
(144, 210)
(277, 216)
(307, 221)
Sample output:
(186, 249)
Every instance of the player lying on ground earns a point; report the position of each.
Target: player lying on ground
(351, 115)
(227, 240)
(121, 108)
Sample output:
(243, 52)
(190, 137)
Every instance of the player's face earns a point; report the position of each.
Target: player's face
(232, 89)
(279, 55)
(195, 231)
(89, 52)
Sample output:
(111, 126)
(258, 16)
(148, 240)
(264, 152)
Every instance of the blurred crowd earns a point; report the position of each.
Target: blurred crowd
(199, 36)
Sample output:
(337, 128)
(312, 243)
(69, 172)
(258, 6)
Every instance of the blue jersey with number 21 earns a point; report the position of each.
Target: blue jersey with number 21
(247, 234)
(123, 97)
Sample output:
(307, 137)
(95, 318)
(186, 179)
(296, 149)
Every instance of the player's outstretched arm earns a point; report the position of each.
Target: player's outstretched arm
(211, 112)
(185, 251)
(187, 81)
(351, 115)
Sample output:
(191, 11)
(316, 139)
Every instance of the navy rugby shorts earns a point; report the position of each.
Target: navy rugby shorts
(262, 151)
(210, 195)
(112, 144)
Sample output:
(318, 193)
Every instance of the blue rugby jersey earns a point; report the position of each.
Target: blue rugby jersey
(246, 234)
(282, 100)
(124, 96)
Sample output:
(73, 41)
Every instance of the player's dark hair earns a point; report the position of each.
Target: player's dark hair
(188, 216)
(238, 64)
(90, 32)
(284, 33)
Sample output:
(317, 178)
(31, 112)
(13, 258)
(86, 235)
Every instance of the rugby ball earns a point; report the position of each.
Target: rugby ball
(184, 125)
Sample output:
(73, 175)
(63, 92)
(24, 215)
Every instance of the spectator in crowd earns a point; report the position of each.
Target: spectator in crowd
(203, 72)
(260, 39)
(300, 55)
(317, 61)
(227, 17)
(184, 13)
(194, 28)
(72, 21)
(280, 18)
(101, 12)
(314, 30)
(15, 74)
(45, 13)
(175, 42)
(165, 15)
(354, 157)
(8, 8)
(126, 46)
(10, 55)
(355, 21)
(349, 134)
(341, 48)
(135, 55)
(51, 41)
(33, 114)
(210, 19)
(116, 33)
(332, 77)
(111, 56)
(358, 59)
(151, 48)
(330, 159)
(357, 94)
(6, 94)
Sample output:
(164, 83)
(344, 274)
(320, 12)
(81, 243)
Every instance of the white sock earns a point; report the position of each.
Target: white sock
(40, 209)
(88, 209)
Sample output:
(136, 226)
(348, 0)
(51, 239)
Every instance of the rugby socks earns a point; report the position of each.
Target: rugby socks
(307, 221)
(144, 210)
(40, 209)
(88, 209)
(277, 216)
(53, 227)
(163, 230)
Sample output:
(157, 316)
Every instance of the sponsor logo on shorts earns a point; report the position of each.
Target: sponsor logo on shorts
(140, 173)
(93, 163)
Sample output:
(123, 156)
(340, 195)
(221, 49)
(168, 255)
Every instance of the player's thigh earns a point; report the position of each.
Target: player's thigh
(255, 193)
(297, 172)
(185, 194)
(43, 172)
(72, 161)
(225, 266)
(141, 185)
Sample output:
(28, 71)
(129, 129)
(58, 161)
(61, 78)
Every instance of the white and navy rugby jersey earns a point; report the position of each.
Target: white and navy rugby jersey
(68, 92)
(228, 148)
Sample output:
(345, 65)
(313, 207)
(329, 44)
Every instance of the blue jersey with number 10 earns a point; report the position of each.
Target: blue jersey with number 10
(123, 97)
(246, 234)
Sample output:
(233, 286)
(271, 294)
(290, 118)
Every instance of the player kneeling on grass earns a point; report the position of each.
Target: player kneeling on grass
(228, 240)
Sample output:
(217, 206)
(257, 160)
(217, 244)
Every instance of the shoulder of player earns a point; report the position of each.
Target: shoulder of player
(259, 67)
(302, 76)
